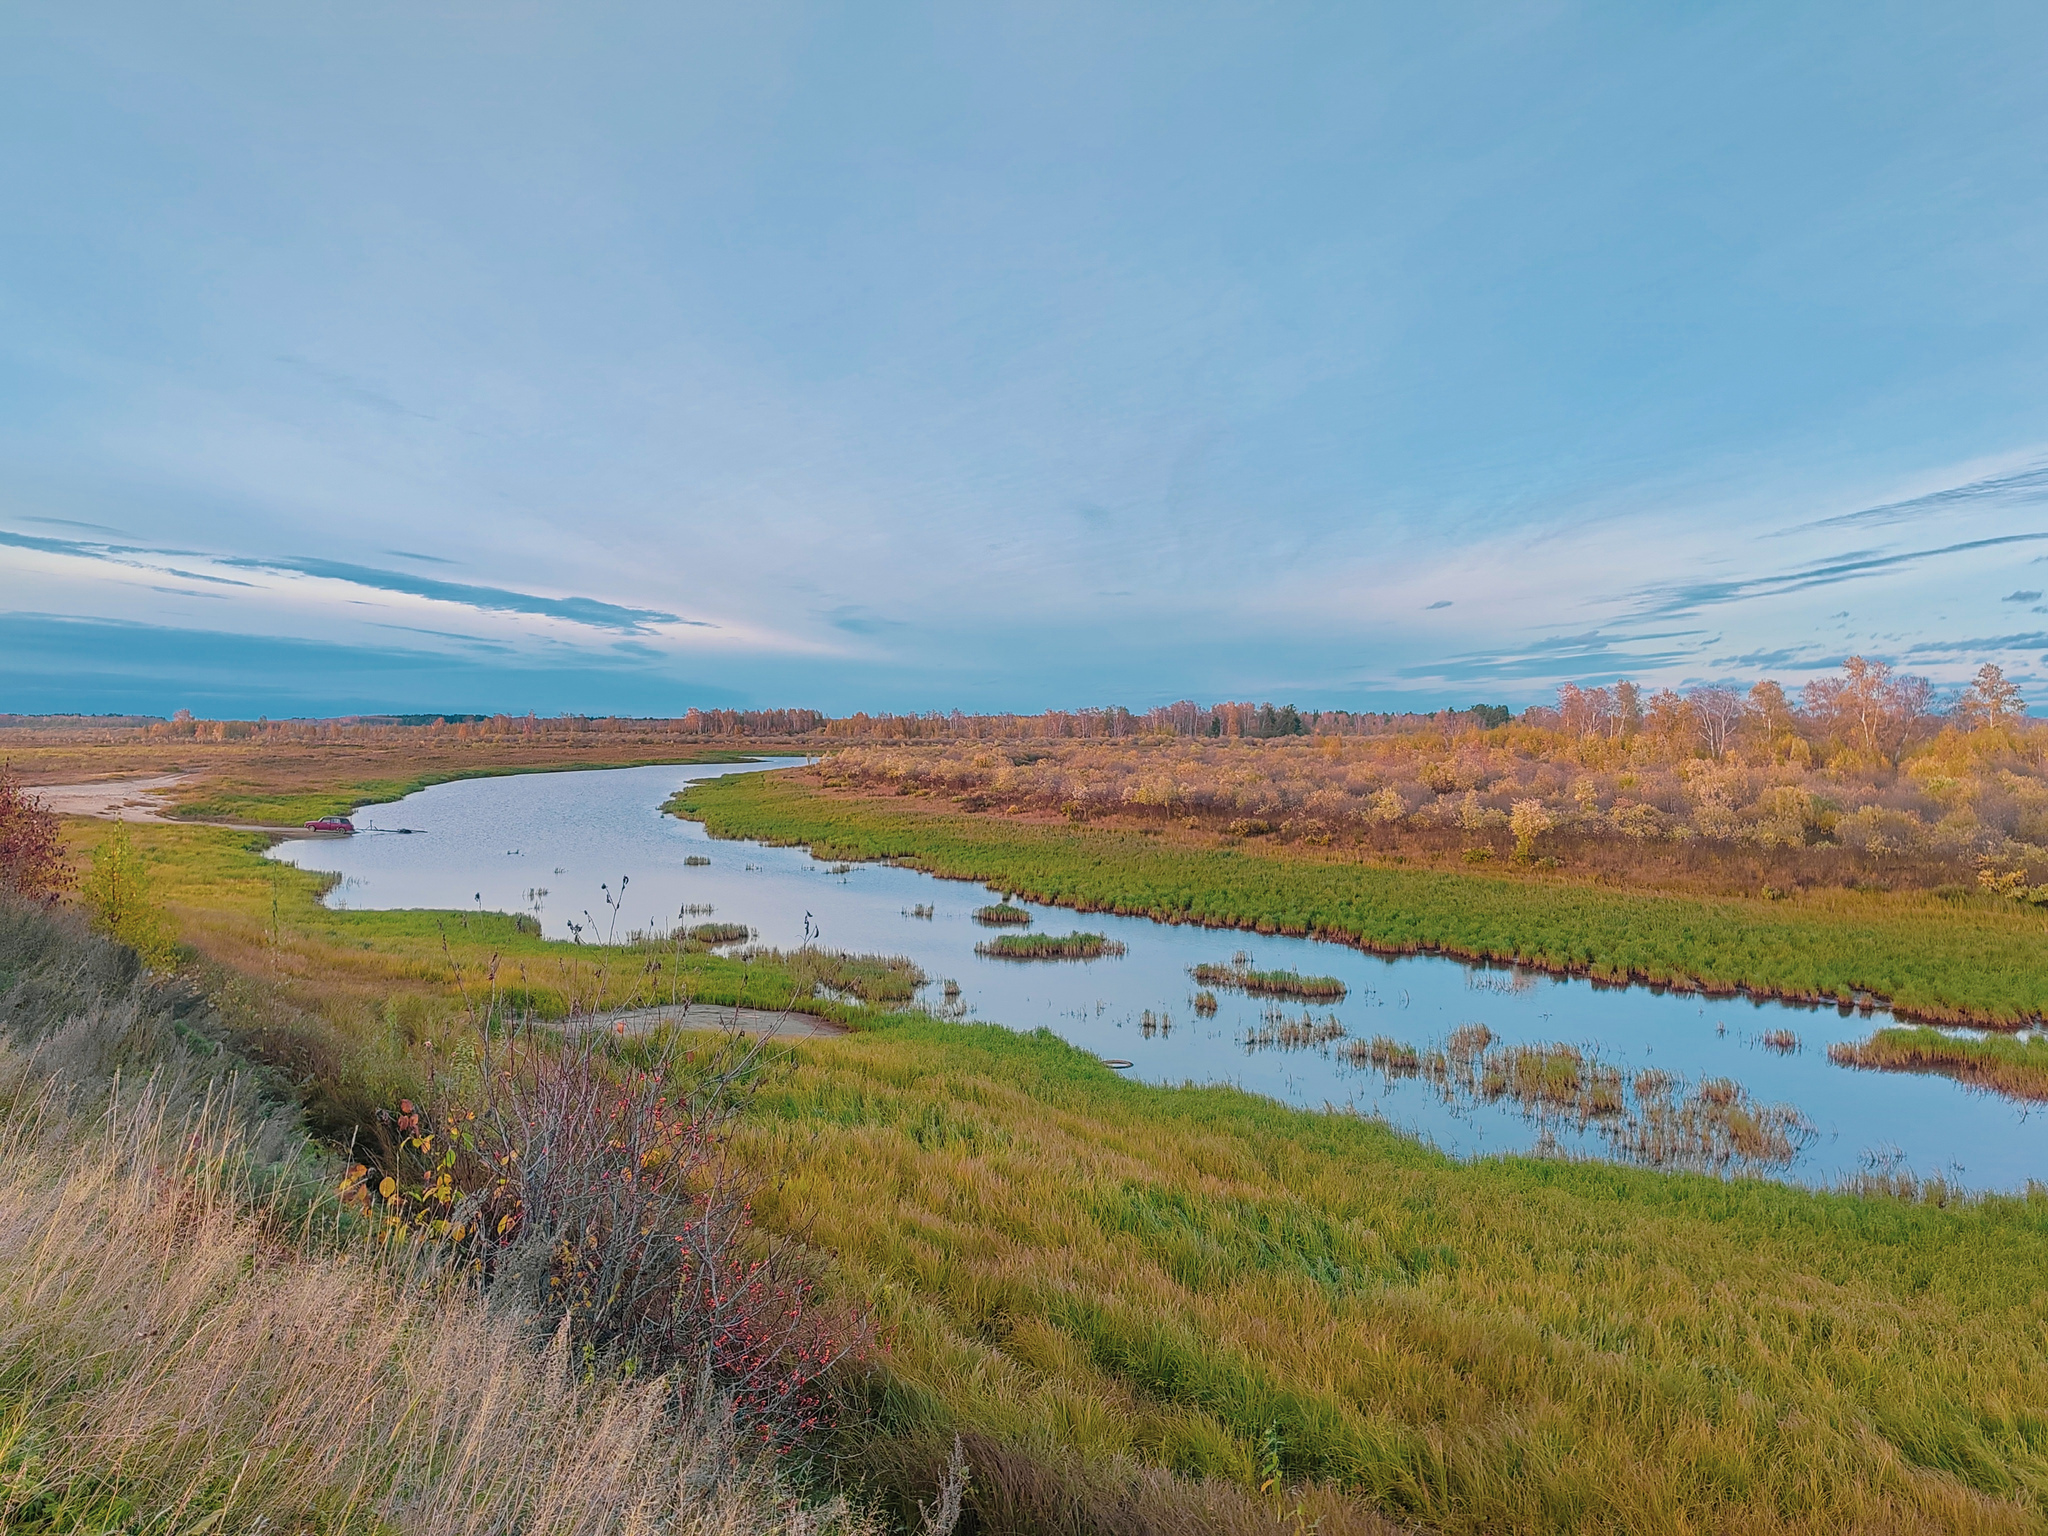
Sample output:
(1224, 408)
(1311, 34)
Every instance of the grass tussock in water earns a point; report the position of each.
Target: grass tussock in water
(1277, 1032)
(1240, 977)
(1049, 946)
(1650, 1117)
(720, 933)
(2014, 1067)
(1001, 914)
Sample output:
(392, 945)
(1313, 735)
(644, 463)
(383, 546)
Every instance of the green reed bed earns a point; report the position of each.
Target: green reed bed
(1049, 946)
(2016, 1068)
(1001, 915)
(1290, 984)
(1652, 1117)
(721, 933)
(1969, 959)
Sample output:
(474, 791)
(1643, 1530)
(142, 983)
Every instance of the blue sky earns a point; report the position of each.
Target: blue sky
(625, 357)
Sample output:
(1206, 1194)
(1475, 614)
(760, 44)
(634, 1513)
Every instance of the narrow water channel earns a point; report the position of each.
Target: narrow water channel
(1652, 1068)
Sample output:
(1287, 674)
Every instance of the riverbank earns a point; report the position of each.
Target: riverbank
(1967, 960)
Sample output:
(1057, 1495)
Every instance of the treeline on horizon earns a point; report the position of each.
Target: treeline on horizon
(1888, 703)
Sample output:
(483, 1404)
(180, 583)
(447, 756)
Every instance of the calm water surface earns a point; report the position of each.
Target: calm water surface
(546, 843)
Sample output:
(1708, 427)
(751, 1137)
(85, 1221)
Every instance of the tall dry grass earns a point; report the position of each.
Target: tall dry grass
(191, 1340)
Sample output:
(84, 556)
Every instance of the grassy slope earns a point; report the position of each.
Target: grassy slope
(1067, 1259)
(1970, 960)
(194, 1337)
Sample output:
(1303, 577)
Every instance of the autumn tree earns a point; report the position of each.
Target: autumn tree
(1992, 700)
(31, 848)
(1671, 721)
(1529, 821)
(1716, 710)
(1871, 709)
(1628, 708)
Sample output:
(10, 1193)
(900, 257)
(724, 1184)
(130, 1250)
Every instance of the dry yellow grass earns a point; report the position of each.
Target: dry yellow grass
(179, 1354)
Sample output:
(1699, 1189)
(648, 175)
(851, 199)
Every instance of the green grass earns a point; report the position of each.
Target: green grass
(1270, 983)
(1968, 960)
(1048, 946)
(1065, 1260)
(2015, 1068)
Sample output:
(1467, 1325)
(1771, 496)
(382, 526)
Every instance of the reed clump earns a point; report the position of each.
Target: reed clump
(1047, 946)
(1290, 984)
(1648, 1117)
(720, 933)
(2003, 1064)
(1277, 1031)
(876, 980)
(1001, 914)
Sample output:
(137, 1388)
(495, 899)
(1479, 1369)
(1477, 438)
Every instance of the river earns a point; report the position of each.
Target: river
(556, 845)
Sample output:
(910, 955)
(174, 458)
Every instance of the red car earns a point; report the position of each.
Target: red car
(331, 824)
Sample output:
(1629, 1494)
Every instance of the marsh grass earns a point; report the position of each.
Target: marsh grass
(1277, 1032)
(1089, 1274)
(1968, 960)
(2016, 1068)
(1651, 1117)
(1001, 914)
(1239, 977)
(1047, 946)
(721, 933)
(875, 980)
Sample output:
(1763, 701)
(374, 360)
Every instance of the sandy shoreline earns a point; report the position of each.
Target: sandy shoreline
(110, 799)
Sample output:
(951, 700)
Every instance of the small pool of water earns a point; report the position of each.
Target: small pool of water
(553, 844)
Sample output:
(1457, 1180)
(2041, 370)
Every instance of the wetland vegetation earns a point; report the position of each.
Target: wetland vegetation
(1239, 976)
(1188, 1309)
(1049, 946)
(2017, 1068)
(1967, 956)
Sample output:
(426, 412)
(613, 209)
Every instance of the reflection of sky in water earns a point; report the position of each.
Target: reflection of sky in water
(545, 843)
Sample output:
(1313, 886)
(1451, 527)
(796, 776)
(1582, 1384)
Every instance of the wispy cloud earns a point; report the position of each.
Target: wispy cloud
(588, 612)
(1690, 597)
(2026, 487)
